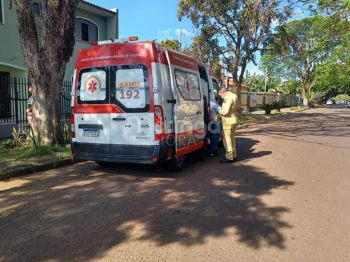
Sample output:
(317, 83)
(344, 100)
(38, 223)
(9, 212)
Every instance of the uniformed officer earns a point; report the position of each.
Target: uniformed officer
(229, 117)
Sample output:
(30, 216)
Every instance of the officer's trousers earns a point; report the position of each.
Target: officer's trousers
(230, 141)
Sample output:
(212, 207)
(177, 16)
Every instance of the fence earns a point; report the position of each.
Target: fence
(251, 100)
(13, 100)
(14, 95)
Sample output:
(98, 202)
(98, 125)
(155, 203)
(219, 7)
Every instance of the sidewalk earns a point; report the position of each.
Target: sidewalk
(283, 110)
(47, 165)
(20, 167)
(44, 163)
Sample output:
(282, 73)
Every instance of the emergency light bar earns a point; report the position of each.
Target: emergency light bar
(113, 41)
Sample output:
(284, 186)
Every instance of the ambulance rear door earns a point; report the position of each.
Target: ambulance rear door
(132, 123)
(92, 109)
(188, 103)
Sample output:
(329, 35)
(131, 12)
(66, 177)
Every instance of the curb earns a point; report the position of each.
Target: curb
(38, 168)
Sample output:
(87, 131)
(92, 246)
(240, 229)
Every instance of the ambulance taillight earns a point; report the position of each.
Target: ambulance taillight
(158, 123)
(72, 126)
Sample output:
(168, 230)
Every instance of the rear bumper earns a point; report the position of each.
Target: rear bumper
(155, 154)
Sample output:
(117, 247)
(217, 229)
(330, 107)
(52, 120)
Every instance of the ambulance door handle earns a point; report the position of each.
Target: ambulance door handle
(199, 112)
(119, 119)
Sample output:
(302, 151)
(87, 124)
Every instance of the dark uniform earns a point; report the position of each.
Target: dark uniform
(229, 117)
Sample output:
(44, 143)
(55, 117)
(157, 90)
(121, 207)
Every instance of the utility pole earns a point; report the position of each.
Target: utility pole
(227, 71)
(222, 74)
(265, 79)
(180, 40)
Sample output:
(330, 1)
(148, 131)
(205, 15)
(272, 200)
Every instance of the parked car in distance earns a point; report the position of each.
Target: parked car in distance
(330, 102)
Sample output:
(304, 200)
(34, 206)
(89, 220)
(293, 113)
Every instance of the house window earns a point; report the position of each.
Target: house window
(85, 30)
(36, 9)
(1, 13)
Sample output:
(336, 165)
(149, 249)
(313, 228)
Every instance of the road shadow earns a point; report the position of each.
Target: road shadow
(244, 145)
(245, 149)
(80, 212)
(298, 126)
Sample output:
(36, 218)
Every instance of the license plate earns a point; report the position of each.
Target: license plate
(90, 132)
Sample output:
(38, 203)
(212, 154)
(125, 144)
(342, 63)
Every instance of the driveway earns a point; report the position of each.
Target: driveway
(286, 199)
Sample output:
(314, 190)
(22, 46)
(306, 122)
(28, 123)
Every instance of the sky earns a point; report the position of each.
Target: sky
(153, 19)
(149, 19)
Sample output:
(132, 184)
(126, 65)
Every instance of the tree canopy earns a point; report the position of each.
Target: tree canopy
(313, 51)
(257, 81)
(236, 29)
(171, 43)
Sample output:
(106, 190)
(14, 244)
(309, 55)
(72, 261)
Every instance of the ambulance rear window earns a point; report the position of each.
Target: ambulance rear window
(216, 88)
(130, 87)
(92, 86)
(188, 85)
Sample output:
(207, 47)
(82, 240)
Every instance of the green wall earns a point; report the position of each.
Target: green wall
(101, 22)
(14, 72)
(97, 19)
(10, 47)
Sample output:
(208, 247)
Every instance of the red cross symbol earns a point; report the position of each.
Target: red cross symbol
(92, 86)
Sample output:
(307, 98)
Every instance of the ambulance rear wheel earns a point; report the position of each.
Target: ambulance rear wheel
(176, 164)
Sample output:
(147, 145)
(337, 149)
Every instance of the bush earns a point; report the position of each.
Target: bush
(280, 104)
(268, 107)
(8, 144)
(64, 136)
(312, 103)
(35, 140)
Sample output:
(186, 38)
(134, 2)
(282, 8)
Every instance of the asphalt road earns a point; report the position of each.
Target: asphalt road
(286, 199)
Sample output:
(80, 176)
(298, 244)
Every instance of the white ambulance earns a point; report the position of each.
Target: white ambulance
(138, 102)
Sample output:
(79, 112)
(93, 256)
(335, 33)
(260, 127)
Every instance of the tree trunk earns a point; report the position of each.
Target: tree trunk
(47, 107)
(237, 91)
(47, 42)
(305, 97)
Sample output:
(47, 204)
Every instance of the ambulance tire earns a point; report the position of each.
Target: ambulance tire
(176, 164)
(101, 163)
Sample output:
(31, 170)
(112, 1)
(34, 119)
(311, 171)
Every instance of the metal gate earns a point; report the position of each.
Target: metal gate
(5, 96)
(14, 96)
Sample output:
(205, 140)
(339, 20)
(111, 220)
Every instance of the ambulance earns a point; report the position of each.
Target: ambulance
(138, 102)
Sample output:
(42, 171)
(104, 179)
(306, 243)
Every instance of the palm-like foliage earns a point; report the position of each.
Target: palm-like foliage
(268, 107)
(280, 104)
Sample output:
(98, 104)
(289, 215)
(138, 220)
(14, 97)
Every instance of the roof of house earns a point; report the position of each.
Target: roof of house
(242, 85)
(102, 8)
